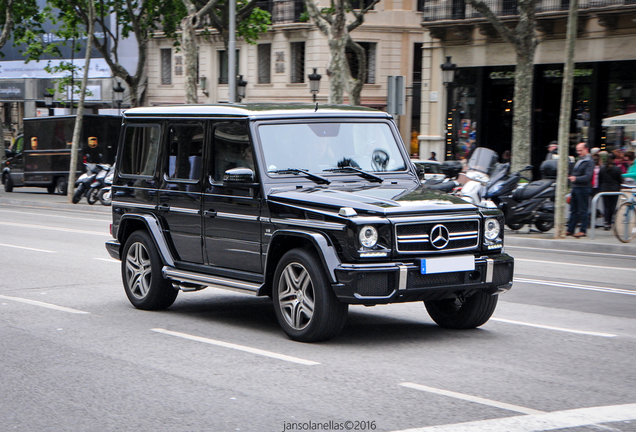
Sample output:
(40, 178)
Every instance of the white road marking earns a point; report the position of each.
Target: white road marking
(542, 422)
(572, 252)
(27, 248)
(576, 286)
(107, 219)
(45, 305)
(471, 398)
(575, 264)
(50, 228)
(238, 347)
(546, 327)
(108, 260)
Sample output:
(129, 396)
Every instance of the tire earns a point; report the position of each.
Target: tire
(92, 196)
(625, 222)
(8, 183)
(144, 284)
(514, 226)
(544, 226)
(51, 188)
(105, 196)
(305, 305)
(60, 186)
(472, 312)
(77, 196)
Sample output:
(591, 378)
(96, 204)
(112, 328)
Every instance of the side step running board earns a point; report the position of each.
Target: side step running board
(191, 278)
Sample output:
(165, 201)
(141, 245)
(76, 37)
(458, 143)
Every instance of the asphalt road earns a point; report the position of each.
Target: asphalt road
(559, 353)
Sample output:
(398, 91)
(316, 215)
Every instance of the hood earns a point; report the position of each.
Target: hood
(387, 200)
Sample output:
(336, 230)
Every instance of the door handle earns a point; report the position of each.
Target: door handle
(163, 207)
(209, 213)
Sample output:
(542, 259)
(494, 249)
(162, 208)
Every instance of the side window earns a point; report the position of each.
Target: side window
(185, 144)
(19, 144)
(232, 149)
(140, 150)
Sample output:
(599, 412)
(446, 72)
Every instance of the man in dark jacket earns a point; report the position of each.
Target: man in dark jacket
(581, 179)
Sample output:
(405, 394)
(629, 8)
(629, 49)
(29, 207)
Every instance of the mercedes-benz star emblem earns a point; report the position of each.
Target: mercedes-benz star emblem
(439, 236)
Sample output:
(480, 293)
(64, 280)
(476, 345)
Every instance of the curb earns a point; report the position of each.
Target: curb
(571, 245)
(96, 208)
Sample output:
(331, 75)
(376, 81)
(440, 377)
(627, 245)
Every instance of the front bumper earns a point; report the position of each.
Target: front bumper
(402, 281)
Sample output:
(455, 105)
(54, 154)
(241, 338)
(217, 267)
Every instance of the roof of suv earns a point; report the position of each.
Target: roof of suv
(257, 110)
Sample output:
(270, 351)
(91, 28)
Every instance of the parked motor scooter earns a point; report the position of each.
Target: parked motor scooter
(98, 183)
(84, 181)
(481, 166)
(105, 193)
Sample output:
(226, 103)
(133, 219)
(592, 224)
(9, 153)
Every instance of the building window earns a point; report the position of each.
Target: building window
(420, 5)
(369, 49)
(223, 65)
(297, 62)
(361, 4)
(265, 63)
(166, 66)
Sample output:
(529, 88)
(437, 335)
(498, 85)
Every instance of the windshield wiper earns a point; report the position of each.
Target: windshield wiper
(315, 177)
(362, 173)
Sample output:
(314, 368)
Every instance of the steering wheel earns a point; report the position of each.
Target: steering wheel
(379, 160)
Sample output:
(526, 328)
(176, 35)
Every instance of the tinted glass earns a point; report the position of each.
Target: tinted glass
(232, 149)
(185, 156)
(141, 145)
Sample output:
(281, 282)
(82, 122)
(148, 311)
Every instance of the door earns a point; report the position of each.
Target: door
(180, 192)
(231, 214)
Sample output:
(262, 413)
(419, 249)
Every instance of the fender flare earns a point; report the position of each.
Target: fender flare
(152, 224)
(325, 250)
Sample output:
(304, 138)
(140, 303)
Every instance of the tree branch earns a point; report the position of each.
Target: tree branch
(505, 32)
(8, 24)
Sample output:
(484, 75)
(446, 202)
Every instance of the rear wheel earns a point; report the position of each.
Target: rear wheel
(305, 305)
(145, 286)
(8, 183)
(625, 222)
(105, 196)
(544, 226)
(462, 313)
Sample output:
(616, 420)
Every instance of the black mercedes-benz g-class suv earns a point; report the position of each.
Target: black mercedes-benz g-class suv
(316, 207)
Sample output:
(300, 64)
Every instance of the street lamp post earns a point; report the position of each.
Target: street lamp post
(314, 82)
(241, 85)
(119, 96)
(448, 76)
(48, 100)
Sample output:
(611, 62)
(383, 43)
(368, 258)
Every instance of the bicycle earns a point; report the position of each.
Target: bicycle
(625, 219)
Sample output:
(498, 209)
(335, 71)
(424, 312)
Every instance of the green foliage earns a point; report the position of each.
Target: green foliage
(258, 22)
(27, 20)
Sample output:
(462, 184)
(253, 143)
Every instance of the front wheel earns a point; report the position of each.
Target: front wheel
(92, 196)
(625, 222)
(514, 226)
(544, 226)
(77, 196)
(8, 183)
(60, 186)
(105, 196)
(144, 284)
(462, 313)
(305, 305)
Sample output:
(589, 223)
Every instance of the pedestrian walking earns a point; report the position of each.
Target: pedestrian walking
(631, 170)
(609, 181)
(432, 158)
(581, 179)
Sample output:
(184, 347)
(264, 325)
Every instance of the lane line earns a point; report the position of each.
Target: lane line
(50, 228)
(546, 327)
(238, 347)
(471, 398)
(576, 265)
(61, 210)
(542, 422)
(576, 286)
(572, 252)
(107, 260)
(27, 248)
(107, 219)
(45, 305)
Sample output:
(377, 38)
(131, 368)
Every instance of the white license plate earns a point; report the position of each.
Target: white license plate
(447, 264)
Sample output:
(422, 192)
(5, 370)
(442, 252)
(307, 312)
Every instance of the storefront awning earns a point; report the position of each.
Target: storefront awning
(621, 120)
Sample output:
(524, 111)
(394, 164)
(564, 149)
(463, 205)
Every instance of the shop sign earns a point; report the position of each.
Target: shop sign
(11, 91)
(559, 73)
(502, 75)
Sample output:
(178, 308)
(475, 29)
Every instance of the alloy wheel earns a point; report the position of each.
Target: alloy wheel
(138, 270)
(296, 296)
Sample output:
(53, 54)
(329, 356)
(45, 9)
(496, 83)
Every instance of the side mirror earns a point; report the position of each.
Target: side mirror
(419, 171)
(239, 176)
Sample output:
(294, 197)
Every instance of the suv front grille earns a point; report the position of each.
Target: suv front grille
(415, 236)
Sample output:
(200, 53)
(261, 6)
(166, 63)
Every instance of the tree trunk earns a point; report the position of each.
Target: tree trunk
(355, 84)
(189, 47)
(80, 106)
(564, 122)
(337, 69)
(522, 116)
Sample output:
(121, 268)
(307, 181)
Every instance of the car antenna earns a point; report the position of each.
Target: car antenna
(316, 107)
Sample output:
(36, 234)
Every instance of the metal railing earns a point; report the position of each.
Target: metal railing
(437, 10)
(283, 11)
(594, 205)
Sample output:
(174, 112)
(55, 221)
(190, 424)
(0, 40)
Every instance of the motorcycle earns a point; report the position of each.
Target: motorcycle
(105, 193)
(84, 182)
(531, 203)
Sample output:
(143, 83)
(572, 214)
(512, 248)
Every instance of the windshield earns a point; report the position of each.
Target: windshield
(320, 147)
(483, 159)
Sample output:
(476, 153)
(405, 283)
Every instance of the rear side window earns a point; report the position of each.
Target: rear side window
(140, 150)
(186, 143)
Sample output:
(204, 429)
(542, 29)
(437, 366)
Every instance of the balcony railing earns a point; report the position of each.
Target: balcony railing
(437, 10)
(283, 11)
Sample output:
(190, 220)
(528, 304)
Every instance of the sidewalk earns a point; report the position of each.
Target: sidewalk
(604, 241)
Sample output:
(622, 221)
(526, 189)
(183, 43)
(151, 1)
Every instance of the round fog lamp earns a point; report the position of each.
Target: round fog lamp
(492, 228)
(368, 236)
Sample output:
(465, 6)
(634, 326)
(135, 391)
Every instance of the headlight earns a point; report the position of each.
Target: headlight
(492, 228)
(368, 236)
